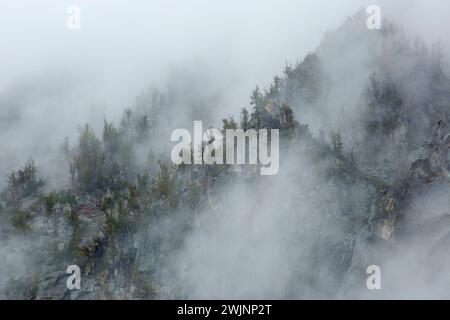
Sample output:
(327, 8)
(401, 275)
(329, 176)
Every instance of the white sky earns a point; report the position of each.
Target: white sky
(125, 47)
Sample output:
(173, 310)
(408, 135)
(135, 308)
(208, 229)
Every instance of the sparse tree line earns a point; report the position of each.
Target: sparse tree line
(113, 201)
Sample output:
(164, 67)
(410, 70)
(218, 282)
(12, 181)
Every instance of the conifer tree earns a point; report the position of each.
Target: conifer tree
(245, 121)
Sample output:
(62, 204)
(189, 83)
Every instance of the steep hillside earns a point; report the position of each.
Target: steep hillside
(364, 170)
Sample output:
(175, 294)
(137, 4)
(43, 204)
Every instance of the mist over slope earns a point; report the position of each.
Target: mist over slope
(364, 161)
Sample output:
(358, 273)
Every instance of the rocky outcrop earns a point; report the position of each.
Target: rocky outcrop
(396, 225)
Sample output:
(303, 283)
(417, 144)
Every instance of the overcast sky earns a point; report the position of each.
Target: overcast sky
(125, 46)
(129, 45)
(65, 77)
(52, 79)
